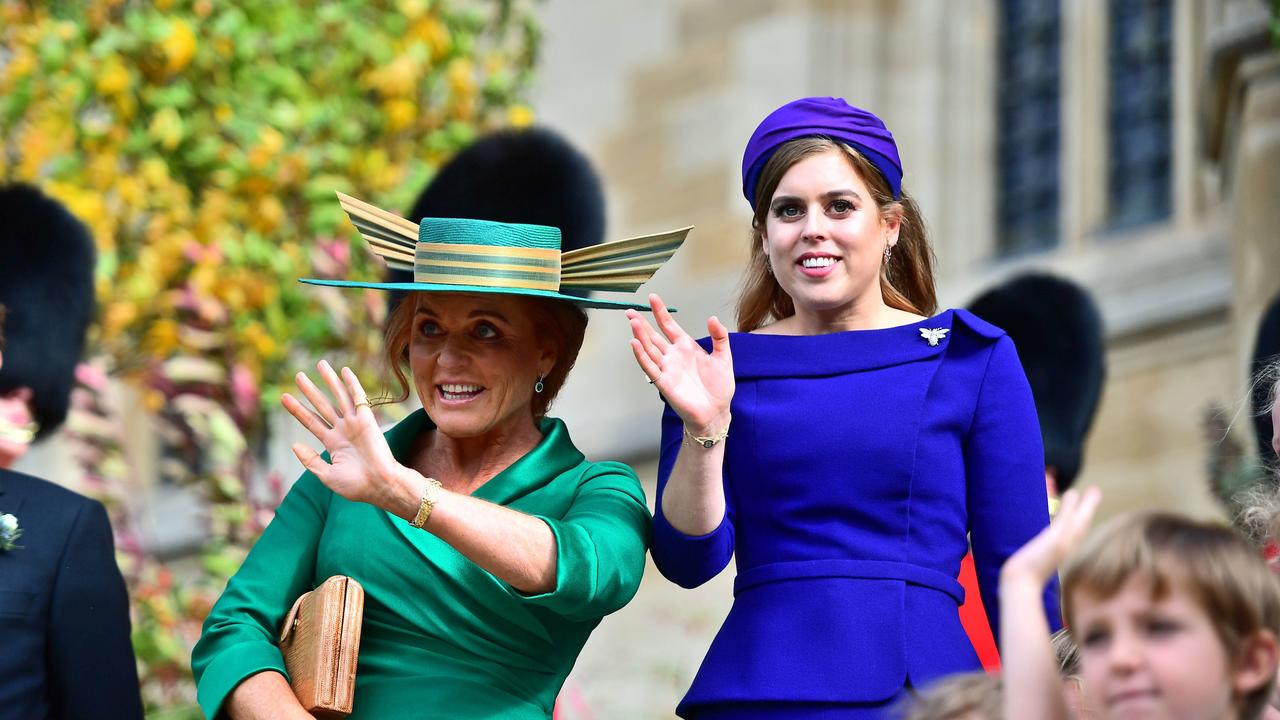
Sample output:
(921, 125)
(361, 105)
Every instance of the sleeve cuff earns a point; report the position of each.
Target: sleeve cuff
(231, 668)
(689, 560)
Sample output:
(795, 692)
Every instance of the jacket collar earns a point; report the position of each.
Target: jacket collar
(758, 355)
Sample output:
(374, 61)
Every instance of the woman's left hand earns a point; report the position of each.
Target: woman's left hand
(361, 467)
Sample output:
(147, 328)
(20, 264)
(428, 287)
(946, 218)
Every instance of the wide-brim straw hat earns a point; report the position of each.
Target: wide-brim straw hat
(460, 255)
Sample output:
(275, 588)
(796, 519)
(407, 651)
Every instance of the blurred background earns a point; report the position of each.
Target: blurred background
(1131, 146)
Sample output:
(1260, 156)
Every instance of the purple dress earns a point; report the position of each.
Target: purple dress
(857, 469)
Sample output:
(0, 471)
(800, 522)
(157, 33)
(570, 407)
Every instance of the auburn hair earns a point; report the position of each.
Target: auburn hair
(906, 281)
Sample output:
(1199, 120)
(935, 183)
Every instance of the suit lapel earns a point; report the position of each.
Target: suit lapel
(9, 501)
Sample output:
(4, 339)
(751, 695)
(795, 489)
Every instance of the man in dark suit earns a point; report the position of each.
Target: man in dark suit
(64, 612)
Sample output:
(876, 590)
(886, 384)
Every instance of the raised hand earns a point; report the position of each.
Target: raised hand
(698, 385)
(1036, 561)
(361, 467)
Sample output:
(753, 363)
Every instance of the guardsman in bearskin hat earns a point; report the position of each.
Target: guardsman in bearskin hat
(1266, 353)
(1057, 330)
(530, 176)
(1058, 335)
(64, 611)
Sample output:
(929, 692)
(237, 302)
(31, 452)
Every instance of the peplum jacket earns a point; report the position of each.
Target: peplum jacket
(859, 467)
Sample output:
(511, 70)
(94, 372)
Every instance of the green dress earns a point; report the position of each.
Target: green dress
(442, 638)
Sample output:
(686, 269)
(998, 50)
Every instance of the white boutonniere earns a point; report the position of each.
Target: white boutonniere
(9, 532)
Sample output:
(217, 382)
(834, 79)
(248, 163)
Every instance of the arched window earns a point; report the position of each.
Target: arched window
(1140, 112)
(1029, 94)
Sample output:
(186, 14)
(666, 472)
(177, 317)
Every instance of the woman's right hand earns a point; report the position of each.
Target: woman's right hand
(698, 385)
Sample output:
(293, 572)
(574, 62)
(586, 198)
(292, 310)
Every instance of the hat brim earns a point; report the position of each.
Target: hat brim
(594, 303)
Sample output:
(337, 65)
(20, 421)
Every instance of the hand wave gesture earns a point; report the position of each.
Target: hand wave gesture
(1037, 561)
(360, 466)
(698, 385)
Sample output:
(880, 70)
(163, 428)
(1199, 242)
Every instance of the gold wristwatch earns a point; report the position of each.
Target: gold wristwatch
(430, 495)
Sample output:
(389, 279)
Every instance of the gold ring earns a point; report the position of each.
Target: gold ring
(654, 380)
(363, 403)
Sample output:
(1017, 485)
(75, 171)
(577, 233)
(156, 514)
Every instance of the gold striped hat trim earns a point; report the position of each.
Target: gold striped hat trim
(434, 278)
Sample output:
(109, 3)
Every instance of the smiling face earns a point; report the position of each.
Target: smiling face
(1148, 657)
(825, 237)
(475, 360)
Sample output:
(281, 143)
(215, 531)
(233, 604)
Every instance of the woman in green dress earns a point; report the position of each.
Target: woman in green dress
(487, 545)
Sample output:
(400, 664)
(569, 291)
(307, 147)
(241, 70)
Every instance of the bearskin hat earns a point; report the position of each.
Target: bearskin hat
(1266, 350)
(529, 176)
(1057, 330)
(46, 284)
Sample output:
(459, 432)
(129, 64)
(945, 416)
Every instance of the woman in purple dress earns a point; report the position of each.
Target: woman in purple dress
(844, 445)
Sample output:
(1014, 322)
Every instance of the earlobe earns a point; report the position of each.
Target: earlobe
(1257, 661)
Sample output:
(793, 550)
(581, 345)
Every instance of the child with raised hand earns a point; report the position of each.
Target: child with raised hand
(1175, 618)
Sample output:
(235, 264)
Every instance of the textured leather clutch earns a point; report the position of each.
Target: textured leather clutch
(320, 640)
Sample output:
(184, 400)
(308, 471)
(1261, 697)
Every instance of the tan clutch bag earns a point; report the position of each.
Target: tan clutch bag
(320, 640)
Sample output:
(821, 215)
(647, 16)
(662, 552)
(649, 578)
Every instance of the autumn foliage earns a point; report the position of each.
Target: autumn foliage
(202, 143)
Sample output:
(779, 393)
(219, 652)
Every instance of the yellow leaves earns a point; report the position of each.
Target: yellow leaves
(161, 339)
(259, 341)
(434, 33)
(462, 77)
(400, 113)
(520, 116)
(113, 77)
(130, 191)
(166, 128)
(271, 140)
(118, 317)
(398, 78)
(101, 171)
(154, 172)
(269, 214)
(270, 143)
(179, 47)
(153, 400)
(21, 64)
(86, 204)
(372, 166)
(412, 9)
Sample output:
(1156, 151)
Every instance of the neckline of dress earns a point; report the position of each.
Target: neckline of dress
(942, 319)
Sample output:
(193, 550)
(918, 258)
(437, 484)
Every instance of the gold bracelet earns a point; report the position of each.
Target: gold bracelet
(708, 441)
(430, 496)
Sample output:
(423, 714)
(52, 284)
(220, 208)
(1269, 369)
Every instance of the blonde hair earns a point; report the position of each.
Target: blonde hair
(1067, 653)
(966, 696)
(906, 281)
(561, 321)
(1221, 571)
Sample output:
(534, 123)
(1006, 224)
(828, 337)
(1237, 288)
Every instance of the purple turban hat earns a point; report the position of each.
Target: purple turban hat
(826, 117)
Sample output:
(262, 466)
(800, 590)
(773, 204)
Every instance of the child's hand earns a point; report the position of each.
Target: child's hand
(1036, 561)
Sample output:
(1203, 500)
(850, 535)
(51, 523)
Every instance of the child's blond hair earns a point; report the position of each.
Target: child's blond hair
(1223, 573)
(966, 696)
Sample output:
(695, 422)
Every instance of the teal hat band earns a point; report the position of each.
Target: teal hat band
(487, 254)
